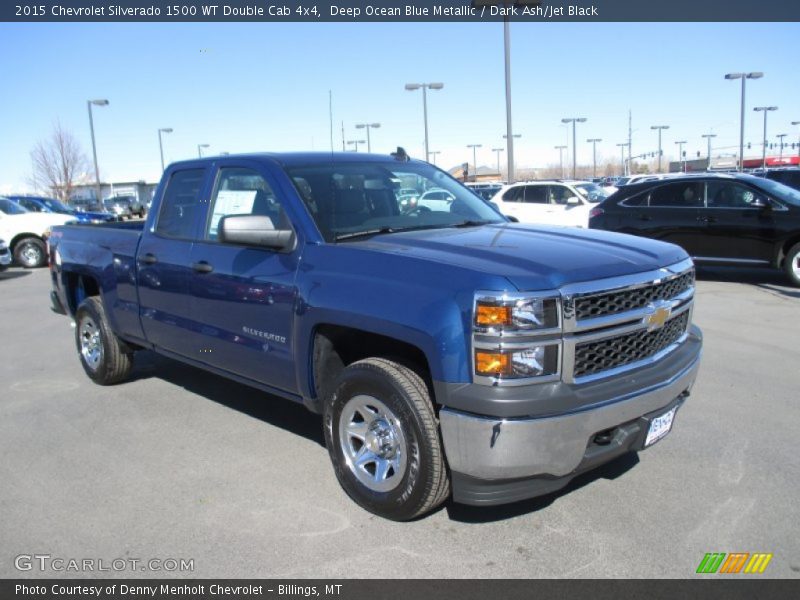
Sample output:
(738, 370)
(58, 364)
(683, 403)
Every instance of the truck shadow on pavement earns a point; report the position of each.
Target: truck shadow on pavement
(277, 411)
(771, 280)
(488, 514)
(296, 419)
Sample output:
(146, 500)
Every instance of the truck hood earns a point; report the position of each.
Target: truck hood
(532, 257)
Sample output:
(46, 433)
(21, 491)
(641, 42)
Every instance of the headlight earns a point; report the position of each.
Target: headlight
(516, 338)
(520, 314)
(533, 361)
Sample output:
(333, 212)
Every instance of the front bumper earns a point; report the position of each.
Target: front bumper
(495, 460)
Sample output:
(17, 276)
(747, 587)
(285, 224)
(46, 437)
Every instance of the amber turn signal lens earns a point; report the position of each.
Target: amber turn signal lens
(489, 363)
(493, 315)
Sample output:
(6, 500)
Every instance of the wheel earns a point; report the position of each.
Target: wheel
(30, 253)
(100, 351)
(791, 264)
(383, 439)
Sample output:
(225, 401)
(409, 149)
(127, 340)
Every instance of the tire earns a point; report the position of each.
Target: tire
(101, 354)
(383, 439)
(791, 265)
(30, 253)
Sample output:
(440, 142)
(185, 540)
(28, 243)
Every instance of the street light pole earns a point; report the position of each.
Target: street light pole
(708, 136)
(743, 77)
(765, 110)
(561, 158)
(498, 151)
(474, 160)
(368, 126)
(622, 156)
(94, 146)
(433, 153)
(798, 139)
(780, 136)
(200, 149)
(659, 127)
(574, 120)
(161, 144)
(594, 141)
(425, 86)
(355, 143)
(680, 155)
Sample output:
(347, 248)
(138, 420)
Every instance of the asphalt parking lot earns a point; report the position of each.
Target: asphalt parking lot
(181, 464)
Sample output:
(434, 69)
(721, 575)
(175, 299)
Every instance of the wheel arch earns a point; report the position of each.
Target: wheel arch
(334, 347)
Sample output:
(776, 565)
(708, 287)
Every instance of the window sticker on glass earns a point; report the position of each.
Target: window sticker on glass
(231, 202)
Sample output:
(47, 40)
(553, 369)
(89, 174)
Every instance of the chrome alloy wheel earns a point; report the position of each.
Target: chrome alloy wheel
(373, 443)
(91, 343)
(31, 255)
(796, 266)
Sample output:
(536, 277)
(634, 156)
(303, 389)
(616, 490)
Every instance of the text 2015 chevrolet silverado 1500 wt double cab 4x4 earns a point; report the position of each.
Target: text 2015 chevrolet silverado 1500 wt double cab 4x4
(448, 350)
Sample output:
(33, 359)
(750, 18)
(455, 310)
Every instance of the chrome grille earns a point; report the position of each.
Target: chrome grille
(600, 305)
(618, 351)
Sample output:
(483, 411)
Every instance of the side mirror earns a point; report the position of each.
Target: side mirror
(254, 230)
(573, 201)
(512, 218)
(761, 203)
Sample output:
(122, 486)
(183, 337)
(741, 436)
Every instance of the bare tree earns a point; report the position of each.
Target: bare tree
(58, 163)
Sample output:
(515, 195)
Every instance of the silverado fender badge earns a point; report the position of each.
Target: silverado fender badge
(659, 315)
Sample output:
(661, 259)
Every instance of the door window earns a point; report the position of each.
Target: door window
(513, 194)
(559, 194)
(180, 204)
(729, 194)
(535, 194)
(241, 191)
(678, 195)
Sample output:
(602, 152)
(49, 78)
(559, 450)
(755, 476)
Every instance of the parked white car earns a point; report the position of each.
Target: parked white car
(5, 255)
(27, 231)
(436, 199)
(550, 202)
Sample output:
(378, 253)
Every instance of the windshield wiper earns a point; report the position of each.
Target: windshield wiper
(356, 234)
(474, 223)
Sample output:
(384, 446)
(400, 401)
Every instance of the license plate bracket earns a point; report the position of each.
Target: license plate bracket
(659, 426)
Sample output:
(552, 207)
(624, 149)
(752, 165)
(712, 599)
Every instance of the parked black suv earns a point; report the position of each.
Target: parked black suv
(733, 219)
(786, 175)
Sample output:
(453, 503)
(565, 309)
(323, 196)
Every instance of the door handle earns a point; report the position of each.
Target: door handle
(711, 219)
(148, 259)
(202, 267)
(645, 218)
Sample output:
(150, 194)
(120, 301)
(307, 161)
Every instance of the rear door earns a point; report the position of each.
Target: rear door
(533, 205)
(245, 296)
(163, 260)
(670, 212)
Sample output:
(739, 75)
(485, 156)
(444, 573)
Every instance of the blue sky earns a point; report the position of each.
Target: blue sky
(264, 87)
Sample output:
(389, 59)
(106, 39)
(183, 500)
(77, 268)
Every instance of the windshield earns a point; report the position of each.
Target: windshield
(11, 208)
(780, 191)
(56, 206)
(591, 191)
(348, 200)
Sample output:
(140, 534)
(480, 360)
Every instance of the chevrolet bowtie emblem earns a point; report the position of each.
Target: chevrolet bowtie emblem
(657, 318)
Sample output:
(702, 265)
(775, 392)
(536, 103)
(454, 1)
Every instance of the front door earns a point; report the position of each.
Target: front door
(245, 296)
(740, 223)
(671, 213)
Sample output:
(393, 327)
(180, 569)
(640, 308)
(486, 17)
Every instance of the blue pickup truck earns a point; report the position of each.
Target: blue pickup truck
(450, 351)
